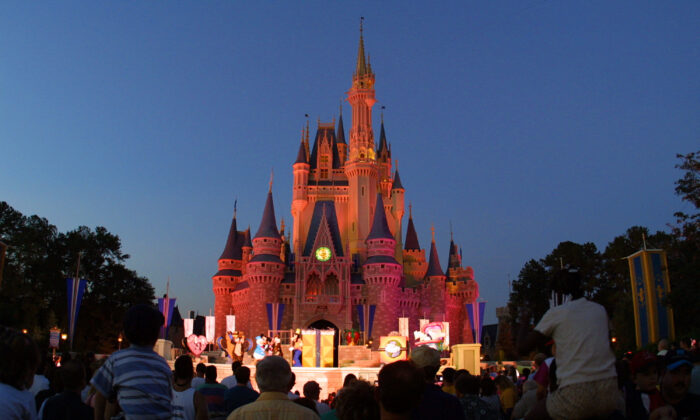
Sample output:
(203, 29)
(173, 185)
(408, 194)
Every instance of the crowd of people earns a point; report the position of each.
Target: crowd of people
(574, 380)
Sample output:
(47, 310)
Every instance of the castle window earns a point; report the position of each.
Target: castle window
(313, 287)
(324, 158)
(324, 173)
(331, 285)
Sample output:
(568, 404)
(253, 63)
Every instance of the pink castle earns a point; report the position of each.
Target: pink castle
(347, 262)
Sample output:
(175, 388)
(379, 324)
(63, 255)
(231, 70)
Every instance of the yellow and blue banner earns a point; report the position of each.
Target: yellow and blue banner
(166, 305)
(650, 286)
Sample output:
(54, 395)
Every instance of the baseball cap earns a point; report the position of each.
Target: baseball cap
(675, 359)
(425, 356)
(641, 360)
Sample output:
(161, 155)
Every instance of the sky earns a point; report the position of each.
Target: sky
(523, 123)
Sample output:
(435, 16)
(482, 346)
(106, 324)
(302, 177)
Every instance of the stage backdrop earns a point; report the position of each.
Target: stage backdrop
(317, 350)
(650, 286)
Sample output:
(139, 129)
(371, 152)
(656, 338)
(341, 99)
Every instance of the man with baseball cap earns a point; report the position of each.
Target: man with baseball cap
(435, 403)
(675, 382)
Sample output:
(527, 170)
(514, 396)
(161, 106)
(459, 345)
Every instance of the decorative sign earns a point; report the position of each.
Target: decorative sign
(393, 348)
(433, 334)
(197, 344)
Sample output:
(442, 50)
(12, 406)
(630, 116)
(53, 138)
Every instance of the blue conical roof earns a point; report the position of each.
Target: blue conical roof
(301, 155)
(340, 135)
(232, 250)
(268, 224)
(397, 182)
(380, 228)
(411, 237)
(434, 268)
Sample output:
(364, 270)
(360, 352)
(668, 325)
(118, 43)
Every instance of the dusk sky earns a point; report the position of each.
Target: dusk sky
(524, 123)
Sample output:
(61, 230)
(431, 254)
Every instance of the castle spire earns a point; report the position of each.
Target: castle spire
(361, 67)
(434, 268)
(380, 227)
(232, 250)
(268, 224)
(411, 235)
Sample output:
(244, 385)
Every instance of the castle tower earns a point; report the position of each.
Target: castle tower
(434, 285)
(397, 210)
(340, 138)
(384, 163)
(414, 264)
(300, 199)
(360, 167)
(265, 270)
(229, 274)
(382, 273)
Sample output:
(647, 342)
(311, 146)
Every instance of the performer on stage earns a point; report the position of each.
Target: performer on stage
(259, 352)
(297, 345)
(277, 346)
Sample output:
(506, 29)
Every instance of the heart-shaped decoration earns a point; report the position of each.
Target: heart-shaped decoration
(197, 344)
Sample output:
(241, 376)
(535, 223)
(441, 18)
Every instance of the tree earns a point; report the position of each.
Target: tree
(34, 295)
(684, 255)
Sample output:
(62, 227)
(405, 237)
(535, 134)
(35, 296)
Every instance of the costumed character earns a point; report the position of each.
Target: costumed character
(277, 347)
(238, 341)
(226, 343)
(259, 352)
(297, 345)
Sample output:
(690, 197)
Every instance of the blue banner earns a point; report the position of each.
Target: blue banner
(372, 309)
(475, 311)
(660, 291)
(361, 317)
(76, 289)
(166, 306)
(274, 315)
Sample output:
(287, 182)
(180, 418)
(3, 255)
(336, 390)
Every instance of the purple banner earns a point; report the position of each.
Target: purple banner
(475, 311)
(166, 306)
(76, 289)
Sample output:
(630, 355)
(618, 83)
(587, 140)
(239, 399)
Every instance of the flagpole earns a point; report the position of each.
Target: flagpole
(74, 322)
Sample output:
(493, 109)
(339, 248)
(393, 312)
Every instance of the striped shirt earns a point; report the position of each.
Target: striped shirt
(141, 381)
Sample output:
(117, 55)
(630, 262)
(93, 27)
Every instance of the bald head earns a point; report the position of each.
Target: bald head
(273, 374)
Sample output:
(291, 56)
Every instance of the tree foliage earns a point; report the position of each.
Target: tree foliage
(39, 259)
(606, 275)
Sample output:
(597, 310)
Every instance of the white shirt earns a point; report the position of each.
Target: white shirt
(40, 383)
(197, 381)
(231, 381)
(580, 331)
(322, 408)
(16, 404)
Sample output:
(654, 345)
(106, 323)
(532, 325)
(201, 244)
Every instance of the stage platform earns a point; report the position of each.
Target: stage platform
(330, 379)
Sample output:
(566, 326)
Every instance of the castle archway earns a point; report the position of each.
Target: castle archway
(324, 324)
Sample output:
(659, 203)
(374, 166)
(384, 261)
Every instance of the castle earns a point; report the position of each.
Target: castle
(347, 264)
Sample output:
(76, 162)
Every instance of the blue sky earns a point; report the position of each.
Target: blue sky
(525, 123)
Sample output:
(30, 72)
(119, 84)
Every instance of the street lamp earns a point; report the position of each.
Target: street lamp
(119, 339)
(64, 336)
(25, 331)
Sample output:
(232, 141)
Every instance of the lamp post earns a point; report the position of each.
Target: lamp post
(119, 340)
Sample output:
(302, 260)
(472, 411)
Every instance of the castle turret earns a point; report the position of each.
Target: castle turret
(397, 211)
(228, 275)
(265, 270)
(340, 138)
(384, 163)
(434, 285)
(300, 199)
(414, 263)
(382, 273)
(361, 168)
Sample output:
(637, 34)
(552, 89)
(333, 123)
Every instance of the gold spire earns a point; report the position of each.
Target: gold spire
(361, 68)
(432, 230)
(410, 211)
(272, 176)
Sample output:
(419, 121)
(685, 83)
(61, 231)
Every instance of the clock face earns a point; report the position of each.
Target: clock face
(323, 253)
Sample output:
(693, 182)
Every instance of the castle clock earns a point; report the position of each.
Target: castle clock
(323, 253)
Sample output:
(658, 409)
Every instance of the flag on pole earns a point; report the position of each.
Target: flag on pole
(403, 326)
(475, 311)
(166, 306)
(274, 315)
(189, 326)
(209, 328)
(76, 289)
(231, 323)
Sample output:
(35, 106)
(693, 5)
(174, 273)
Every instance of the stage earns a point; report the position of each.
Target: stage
(330, 379)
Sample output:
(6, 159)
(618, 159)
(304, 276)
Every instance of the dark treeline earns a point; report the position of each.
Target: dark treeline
(39, 258)
(606, 273)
